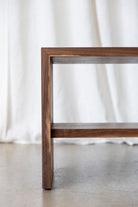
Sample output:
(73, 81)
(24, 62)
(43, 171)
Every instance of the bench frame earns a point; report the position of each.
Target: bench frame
(50, 130)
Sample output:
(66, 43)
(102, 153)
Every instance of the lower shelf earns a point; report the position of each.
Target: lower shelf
(77, 130)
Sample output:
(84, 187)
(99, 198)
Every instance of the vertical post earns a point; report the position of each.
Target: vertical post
(47, 145)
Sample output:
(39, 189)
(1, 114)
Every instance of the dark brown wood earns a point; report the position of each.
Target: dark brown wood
(79, 55)
(74, 130)
(47, 169)
(91, 51)
(51, 104)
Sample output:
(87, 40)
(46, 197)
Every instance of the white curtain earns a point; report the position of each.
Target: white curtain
(82, 93)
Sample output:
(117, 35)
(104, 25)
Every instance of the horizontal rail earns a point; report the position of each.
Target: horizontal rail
(74, 130)
(90, 51)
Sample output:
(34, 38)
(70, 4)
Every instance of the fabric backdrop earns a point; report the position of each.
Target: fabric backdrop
(82, 93)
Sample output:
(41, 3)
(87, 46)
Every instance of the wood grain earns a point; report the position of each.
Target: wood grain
(91, 51)
(50, 56)
(74, 130)
(46, 122)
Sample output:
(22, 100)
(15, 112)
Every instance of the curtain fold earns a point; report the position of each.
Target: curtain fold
(82, 93)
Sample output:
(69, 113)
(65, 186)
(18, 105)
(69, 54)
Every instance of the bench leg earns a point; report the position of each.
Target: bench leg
(47, 108)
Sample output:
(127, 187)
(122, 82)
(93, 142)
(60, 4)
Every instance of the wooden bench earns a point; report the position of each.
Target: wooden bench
(52, 130)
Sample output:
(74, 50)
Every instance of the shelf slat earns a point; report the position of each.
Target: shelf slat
(77, 130)
(95, 60)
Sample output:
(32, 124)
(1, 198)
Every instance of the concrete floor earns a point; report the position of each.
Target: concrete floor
(94, 175)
